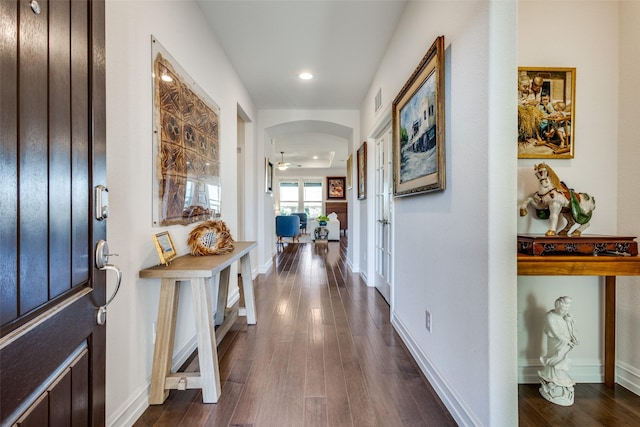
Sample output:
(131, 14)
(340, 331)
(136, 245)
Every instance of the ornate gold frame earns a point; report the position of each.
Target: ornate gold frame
(419, 127)
(164, 246)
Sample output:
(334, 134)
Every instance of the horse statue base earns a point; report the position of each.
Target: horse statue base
(554, 198)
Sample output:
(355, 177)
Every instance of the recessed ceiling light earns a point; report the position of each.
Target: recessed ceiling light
(305, 76)
(315, 157)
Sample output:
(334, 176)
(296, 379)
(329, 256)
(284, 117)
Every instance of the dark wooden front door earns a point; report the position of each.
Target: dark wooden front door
(52, 134)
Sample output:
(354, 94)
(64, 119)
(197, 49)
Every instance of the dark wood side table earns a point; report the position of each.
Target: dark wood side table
(588, 265)
(204, 273)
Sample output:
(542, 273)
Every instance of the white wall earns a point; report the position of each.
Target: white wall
(454, 249)
(593, 27)
(181, 29)
(628, 315)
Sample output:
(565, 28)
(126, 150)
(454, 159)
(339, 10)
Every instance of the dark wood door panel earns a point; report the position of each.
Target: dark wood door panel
(52, 136)
(32, 156)
(60, 152)
(8, 161)
(80, 114)
(65, 401)
(47, 351)
(49, 154)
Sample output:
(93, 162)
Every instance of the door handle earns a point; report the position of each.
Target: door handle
(102, 262)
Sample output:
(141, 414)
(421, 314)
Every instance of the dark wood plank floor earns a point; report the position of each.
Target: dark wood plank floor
(595, 406)
(323, 353)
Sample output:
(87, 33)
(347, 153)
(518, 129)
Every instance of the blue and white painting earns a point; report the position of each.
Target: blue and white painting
(418, 157)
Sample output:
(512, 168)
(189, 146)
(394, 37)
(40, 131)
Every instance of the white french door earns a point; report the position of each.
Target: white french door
(384, 213)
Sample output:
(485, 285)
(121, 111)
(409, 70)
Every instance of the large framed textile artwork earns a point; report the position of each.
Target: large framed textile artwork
(186, 184)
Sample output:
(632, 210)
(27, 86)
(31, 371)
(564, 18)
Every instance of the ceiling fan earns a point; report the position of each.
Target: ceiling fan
(283, 166)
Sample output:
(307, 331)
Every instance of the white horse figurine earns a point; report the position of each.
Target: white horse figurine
(554, 198)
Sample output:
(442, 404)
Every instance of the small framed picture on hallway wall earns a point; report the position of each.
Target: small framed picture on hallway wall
(362, 171)
(336, 188)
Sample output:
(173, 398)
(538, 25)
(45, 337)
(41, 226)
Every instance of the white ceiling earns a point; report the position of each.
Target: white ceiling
(270, 42)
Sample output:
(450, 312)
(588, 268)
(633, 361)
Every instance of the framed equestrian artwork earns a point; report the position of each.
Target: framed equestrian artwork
(418, 124)
(362, 171)
(546, 112)
(336, 188)
(186, 148)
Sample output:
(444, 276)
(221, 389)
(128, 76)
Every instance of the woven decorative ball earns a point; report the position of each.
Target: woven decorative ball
(210, 238)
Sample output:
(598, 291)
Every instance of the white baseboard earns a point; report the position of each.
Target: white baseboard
(628, 377)
(460, 412)
(582, 371)
(264, 269)
(363, 276)
(130, 410)
(355, 268)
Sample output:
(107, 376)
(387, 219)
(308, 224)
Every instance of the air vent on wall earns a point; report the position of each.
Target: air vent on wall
(378, 100)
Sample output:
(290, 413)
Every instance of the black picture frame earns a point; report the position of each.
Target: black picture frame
(268, 176)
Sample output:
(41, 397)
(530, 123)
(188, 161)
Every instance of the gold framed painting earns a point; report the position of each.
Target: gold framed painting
(546, 112)
(419, 128)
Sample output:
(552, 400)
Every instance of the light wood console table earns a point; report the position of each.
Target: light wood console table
(587, 265)
(208, 275)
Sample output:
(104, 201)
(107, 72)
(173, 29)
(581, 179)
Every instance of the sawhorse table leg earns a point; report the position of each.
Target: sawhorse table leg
(208, 379)
(207, 348)
(249, 309)
(165, 334)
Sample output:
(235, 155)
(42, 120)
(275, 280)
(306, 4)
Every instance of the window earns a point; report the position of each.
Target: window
(313, 198)
(289, 197)
(301, 195)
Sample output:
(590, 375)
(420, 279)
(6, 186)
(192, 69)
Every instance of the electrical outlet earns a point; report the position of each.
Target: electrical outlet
(427, 320)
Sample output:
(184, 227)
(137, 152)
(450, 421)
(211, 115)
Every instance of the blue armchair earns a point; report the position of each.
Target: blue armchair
(287, 226)
(303, 221)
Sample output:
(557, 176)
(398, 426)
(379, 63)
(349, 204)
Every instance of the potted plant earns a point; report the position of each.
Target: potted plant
(322, 220)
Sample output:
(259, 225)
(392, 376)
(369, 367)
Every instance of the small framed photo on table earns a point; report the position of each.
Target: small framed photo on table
(164, 246)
